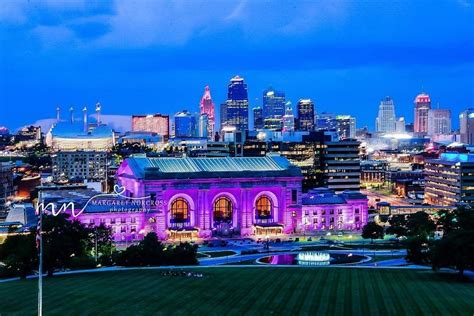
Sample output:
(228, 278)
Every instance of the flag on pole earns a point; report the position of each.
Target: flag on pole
(38, 233)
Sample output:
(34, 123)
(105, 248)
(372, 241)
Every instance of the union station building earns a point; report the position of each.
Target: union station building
(192, 198)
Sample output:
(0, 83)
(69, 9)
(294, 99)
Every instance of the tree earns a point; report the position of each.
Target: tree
(397, 226)
(455, 249)
(19, 254)
(372, 231)
(151, 252)
(420, 225)
(447, 220)
(417, 249)
(62, 240)
(104, 237)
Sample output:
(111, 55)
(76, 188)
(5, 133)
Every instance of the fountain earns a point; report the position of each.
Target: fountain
(313, 258)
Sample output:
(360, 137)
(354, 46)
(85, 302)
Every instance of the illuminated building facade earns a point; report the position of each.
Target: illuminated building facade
(326, 121)
(422, 107)
(385, 122)
(71, 136)
(206, 107)
(79, 166)
(439, 122)
(325, 210)
(341, 165)
(288, 119)
(235, 110)
(257, 118)
(156, 123)
(346, 126)
(189, 198)
(185, 124)
(449, 179)
(305, 109)
(273, 103)
(373, 172)
(466, 126)
(6, 186)
(202, 197)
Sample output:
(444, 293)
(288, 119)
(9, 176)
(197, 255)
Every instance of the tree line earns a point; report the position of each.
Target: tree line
(69, 245)
(445, 239)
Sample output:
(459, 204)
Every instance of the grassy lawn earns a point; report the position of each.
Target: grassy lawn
(236, 291)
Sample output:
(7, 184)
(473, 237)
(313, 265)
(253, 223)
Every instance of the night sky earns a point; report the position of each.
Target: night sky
(139, 57)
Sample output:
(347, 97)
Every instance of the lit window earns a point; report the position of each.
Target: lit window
(222, 209)
(264, 207)
(180, 210)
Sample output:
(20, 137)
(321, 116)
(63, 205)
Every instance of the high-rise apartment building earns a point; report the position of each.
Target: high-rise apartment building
(422, 107)
(385, 122)
(235, 110)
(305, 109)
(79, 166)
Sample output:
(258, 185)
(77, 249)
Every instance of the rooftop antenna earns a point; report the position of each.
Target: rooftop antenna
(97, 110)
(84, 118)
(71, 112)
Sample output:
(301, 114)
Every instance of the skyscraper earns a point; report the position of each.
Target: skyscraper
(257, 118)
(288, 119)
(305, 110)
(439, 122)
(422, 107)
(385, 122)
(466, 126)
(273, 103)
(326, 121)
(346, 126)
(203, 128)
(206, 106)
(400, 125)
(184, 124)
(235, 110)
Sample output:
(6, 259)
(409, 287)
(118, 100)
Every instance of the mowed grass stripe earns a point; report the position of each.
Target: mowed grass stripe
(270, 300)
(299, 294)
(242, 291)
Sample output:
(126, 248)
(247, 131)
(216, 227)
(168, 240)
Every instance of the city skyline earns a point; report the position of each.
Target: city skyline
(83, 53)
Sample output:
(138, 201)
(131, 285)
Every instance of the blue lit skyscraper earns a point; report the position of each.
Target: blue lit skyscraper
(235, 110)
(184, 124)
(273, 103)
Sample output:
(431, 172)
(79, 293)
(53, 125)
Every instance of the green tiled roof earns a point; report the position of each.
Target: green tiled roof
(221, 167)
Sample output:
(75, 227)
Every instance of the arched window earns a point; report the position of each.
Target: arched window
(264, 207)
(223, 210)
(179, 210)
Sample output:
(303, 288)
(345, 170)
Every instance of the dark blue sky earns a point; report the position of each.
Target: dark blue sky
(153, 56)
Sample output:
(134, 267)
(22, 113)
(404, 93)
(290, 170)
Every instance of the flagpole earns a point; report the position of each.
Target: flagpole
(40, 270)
